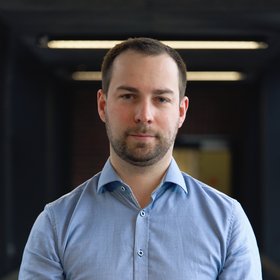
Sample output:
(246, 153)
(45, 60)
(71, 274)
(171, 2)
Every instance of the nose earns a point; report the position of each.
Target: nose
(144, 112)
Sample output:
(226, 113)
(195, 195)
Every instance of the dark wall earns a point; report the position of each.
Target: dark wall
(3, 51)
(90, 147)
(271, 163)
(34, 145)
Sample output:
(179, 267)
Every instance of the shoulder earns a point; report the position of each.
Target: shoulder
(203, 191)
(211, 201)
(221, 211)
(67, 204)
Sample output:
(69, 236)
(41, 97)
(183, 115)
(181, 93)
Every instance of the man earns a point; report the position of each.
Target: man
(141, 217)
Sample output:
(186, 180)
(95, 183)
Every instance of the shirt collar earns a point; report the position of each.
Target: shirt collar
(175, 176)
(108, 176)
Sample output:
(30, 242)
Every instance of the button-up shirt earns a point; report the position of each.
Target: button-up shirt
(98, 231)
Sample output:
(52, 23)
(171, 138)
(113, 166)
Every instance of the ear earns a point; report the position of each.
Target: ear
(184, 104)
(101, 104)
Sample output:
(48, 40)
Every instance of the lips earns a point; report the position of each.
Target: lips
(142, 135)
(141, 131)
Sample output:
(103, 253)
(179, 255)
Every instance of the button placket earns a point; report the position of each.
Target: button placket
(141, 245)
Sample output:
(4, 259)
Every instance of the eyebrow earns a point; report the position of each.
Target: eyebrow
(156, 91)
(163, 91)
(128, 88)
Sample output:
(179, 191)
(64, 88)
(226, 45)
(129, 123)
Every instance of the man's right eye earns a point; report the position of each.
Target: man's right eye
(127, 96)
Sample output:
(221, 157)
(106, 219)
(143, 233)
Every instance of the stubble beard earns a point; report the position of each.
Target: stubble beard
(141, 153)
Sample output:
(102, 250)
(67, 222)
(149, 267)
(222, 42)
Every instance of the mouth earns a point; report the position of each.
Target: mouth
(142, 135)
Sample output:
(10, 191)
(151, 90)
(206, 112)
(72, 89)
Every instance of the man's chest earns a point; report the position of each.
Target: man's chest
(144, 246)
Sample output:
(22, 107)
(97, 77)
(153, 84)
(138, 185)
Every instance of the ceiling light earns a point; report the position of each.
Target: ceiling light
(87, 76)
(81, 44)
(215, 76)
(191, 76)
(199, 45)
(218, 45)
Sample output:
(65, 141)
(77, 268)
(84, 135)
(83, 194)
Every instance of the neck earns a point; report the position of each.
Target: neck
(141, 179)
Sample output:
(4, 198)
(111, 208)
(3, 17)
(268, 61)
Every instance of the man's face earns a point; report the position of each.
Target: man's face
(142, 109)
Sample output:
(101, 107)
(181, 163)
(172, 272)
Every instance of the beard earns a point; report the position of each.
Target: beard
(141, 153)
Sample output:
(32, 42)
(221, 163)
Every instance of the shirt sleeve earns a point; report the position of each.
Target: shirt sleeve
(243, 259)
(40, 258)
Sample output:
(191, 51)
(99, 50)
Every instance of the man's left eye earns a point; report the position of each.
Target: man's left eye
(162, 99)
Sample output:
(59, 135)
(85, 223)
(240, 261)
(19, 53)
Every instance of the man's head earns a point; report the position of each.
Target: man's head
(145, 46)
(141, 104)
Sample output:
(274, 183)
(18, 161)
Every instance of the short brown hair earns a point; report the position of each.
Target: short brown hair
(146, 46)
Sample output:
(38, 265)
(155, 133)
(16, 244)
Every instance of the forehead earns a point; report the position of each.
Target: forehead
(130, 56)
(136, 65)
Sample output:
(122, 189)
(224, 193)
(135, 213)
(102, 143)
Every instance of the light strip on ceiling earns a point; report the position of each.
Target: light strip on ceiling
(191, 76)
(198, 45)
(87, 76)
(215, 76)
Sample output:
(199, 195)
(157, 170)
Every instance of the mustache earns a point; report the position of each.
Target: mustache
(141, 129)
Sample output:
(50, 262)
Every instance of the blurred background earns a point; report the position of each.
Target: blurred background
(51, 138)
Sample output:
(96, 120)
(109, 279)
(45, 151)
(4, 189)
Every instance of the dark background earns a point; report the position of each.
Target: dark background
(51, 138)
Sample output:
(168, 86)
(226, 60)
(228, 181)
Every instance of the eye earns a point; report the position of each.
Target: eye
(161, 99)
(127, 96)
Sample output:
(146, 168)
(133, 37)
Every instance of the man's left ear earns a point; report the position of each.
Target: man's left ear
(184, 104)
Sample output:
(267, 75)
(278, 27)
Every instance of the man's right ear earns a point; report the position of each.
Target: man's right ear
(101, 104)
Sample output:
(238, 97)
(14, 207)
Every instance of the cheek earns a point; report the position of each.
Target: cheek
(166, 125)
(118, 116)
(169, 120)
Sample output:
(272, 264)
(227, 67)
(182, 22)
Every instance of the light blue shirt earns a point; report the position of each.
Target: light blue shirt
(189, 231)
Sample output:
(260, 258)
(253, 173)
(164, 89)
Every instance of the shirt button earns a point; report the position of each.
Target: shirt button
(140, 253)
(123, 188)
(142, 213)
